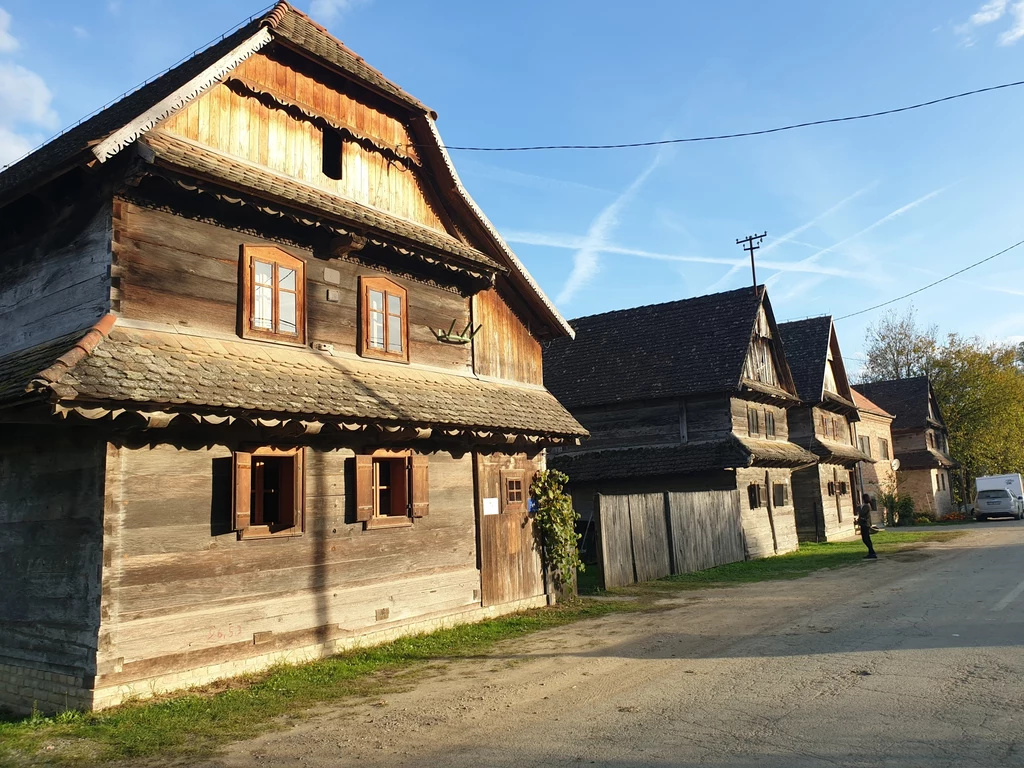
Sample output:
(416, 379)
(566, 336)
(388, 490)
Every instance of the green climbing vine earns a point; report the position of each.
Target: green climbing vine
(557, 520)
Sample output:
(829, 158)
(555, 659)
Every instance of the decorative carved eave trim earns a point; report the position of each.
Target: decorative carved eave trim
(298, 427)
(235, 197)
(167, 106)
(243, 86)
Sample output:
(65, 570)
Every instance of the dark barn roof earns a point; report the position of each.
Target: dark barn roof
(806, 345)
(907, 399)
(675, 349)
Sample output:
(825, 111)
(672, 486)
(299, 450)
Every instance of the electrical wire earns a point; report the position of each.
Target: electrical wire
(744, 134)
(932, 285)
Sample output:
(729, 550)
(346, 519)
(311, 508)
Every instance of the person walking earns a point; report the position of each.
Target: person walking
(864, 521)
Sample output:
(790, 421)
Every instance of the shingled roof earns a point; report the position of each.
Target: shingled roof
(120, 124)
(906, 399)
(169, 371)
(868, 406)
(727, 453)
(806, 345)
(675, 349)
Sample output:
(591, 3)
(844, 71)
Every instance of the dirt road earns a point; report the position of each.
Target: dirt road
(913, 660)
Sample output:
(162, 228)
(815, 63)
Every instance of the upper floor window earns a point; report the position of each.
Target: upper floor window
(865, 445)
(273, 295)
(332, 148)
(930, 438)
(769, 424)
(384, 319)
(883, 447)
(753, 422)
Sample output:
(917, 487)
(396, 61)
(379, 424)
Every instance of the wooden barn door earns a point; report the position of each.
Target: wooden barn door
(510, 556)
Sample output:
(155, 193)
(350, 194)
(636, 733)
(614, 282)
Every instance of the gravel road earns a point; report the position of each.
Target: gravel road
(911, 660)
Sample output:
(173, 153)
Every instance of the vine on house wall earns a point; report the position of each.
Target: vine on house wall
(557, 520)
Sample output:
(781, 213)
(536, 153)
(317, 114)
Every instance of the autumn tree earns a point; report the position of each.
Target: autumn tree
(898, 348)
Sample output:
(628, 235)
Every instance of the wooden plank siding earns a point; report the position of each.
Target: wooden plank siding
(184, 272)
(242, 126)
(739, 408)
(767, 530)
(56, 283)
(51, 510)
(178, 583)
(504, 348)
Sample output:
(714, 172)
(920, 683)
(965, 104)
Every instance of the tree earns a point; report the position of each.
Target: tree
(980, 391)
(897, 348)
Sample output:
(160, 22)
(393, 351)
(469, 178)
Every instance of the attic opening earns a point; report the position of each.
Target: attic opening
(332, 147)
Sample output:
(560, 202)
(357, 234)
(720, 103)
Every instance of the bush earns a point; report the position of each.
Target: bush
(899, 509)
(923, 520)
(956, 517)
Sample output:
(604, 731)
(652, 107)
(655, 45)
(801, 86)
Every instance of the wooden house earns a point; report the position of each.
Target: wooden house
(874, 438)
(690, 395)
(270, 382)
(920, 440)
(824, 495)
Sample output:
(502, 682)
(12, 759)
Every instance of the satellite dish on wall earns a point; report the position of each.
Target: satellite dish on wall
(895, 464)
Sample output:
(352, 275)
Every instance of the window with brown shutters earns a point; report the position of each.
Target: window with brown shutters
(273, 287)
(757, 495)
(392, 488)
(753, 422)
(780, 494)
(831, 488)
(268, 492)
(384, 319)
(769, 424)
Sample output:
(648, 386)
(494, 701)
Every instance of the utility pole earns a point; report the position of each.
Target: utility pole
(750, 244)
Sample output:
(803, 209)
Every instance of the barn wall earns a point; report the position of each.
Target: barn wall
(757, 523)
(184, 599)
(738, 413)
(51, 511)
(261, 132)
(184, 272)
(57, 283)
(818, 516)
(632, 424)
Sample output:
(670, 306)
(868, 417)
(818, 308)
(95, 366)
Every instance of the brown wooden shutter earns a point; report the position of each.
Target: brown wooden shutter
(241, 501)
(364, 487)
(420, 491)
(291, 491)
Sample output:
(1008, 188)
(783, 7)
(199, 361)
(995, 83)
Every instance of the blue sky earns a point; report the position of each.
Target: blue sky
(856, 213)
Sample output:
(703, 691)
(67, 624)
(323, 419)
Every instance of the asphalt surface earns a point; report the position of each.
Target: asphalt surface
(916, 659)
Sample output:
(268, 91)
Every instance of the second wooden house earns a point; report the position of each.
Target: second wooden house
(824, 495)
(690, 395)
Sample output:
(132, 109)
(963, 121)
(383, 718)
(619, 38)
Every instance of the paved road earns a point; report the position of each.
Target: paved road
(913, 660)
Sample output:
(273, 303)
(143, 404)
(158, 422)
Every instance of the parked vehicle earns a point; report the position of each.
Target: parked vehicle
(999, 496)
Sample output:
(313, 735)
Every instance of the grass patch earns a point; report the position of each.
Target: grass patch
(794, 565)
(196, 723)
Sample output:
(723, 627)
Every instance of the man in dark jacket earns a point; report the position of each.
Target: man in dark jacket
(864, 521)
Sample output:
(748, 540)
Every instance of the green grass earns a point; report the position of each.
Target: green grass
(194, 724)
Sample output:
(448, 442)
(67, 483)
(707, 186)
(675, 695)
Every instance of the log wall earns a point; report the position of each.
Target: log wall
(760, 523)
(57, 283)
(183, 272)
(819, 516)
(51, 510)
(181, 592)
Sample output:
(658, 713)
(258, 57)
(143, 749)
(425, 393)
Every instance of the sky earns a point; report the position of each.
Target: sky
(856, 213)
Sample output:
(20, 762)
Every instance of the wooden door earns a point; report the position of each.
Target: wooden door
(510, 550)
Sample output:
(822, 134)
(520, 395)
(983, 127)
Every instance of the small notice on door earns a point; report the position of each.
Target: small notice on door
(491, 506)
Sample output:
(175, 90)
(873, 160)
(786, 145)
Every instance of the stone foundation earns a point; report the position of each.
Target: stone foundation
(23, 689)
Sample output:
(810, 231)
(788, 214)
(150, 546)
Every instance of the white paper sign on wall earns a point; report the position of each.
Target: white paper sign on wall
(491, 507)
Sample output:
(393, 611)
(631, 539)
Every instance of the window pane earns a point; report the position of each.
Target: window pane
(394, 305)
(377, 330)
(376, 301)
(286, 306)
(262, 299)
(394, 334)
(286, 278)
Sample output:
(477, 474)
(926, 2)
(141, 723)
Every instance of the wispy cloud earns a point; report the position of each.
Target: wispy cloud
(330, 11)
(788, 237)
(80, 32)
(8, 42)
(989, 13)
(586, 261)
(114, 7)
(469, 168)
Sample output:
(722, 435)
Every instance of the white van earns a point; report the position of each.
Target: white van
(999, 496)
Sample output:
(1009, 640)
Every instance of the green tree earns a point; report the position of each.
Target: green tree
(898, 348)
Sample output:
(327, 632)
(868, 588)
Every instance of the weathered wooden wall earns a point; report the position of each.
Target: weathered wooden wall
(504, 348)
(57, 283)
(738, 412)
(759, 522)
(650, 536)
(184, 272)
(247, 128)
(819, 516)
(181, 592)
(51, 513)
(632, 424)
(510, 548)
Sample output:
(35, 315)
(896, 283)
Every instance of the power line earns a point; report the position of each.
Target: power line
(932, 285)
(744, 134)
